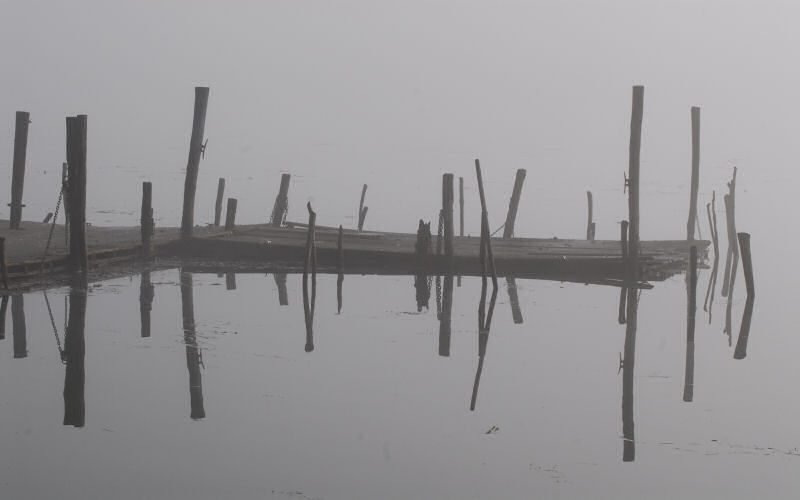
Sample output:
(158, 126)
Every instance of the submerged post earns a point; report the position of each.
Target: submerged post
(623, 292)
(513, 204)
(447, 213)
(339, 268)
(281, 206)
(218, 203)
(146, 296)
(695, 173)
(230, 214)
(633, 177)
(196, 150)
(590, 221)
(18, 172)
(76, 164)
(147, 223)
(193, 355)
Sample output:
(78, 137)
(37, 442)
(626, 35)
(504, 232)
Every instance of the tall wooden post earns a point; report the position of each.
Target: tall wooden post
(732, 257)
(193, 358)
(633, 178)
(76, 164)
(230, 214)
(590, 221)
(147, 223)
(695, 173)
(18, 172)
(447, 213)
(513, 204)
(196, 149)
(628, 362)
(281, 206)
(74, 353)
(218, 203)
(461, 206)
(691, 309)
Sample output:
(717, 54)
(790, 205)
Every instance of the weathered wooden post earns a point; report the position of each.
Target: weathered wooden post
(3, 309)
(230, 281)
(627, 366)
(18, 169)
(513, 299)
(196, 150)
(486, 256)
(445, 320)
(732, 256)
(422, 248)
(362, 210)
(281, 207)
(283, 293)
(218, 203)
(3, 263)
(708, 303)
(461, 206)
(146, 296)
(447, 213)
(147, 222)
(590, 221)
(740, 352)
(695, 173)
(747, 263)
(230, 214)
(623, 292)
(513, 204)
(340, 269)
(310, 262)
(76, 163)
(633, 178)
(65, 200)
(691, 309)
(18, 329)
(73, 355)
(193, 358)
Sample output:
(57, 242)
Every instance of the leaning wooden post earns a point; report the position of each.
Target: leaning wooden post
(744, 331)
(3, 263)
(695, 173)
(281, 206)
(447, 213)
(633, 178)
(18, 172)
(362, 210)
(486, 256)
(76, 163)
(513, 204)
(19, 330)
(230, 214)
(218, 203)
(196, 150)
(589, 222)
(691, 309)
(733, 247)
(147, 220)
(747, 263)
(310, 262)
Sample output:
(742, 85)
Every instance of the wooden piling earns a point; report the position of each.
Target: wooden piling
(283, 293)
(193, 356)
(76, 164)
(513, 299)
(340, 269)
(74, 354)
(623, 292)
(740, 352)
(18, 169)
(690, 225)
(230, 281)
(486, 257)
(590, 221)
(747, 263)
(3, 309)
(691, 309)
(513, 204)
(633, 178)
(362, 210)
(65, 200)
(147, 223)
(146, 296)
(445, 319)
(310, 263)
(19, 331)
(3, 263)
(461, 207)
(627, 366)
(733, 246)
(281, 207)
(230, 214)
(447, 213)
(218, 203)
(196, 150)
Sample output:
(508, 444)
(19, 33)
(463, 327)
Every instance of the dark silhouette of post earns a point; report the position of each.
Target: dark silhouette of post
(310, 264)
(76, 164)
(147, 222)
(422, 248)
(633, 178)
(695, 173)
(732, 256)
(193, 355)
(18, 328)
(445, 319)
(629, 356)
(513, 299)
(340, 269)
(218, 202)
(708, 303)
(230, 281)
(461, 206)
(691, 309)
(3, 263)
(747, 316)
(146, 296)
(513, 204)
(283, 294)
(196, 151)
(3, 309)
(18, 169)
(484, 326)
(362, 210)
(74, 353)
(623, 292)
(230, 214)
(281, 207)
(65, 200)
(447, 213)
(485, 256)
(590, 221)
(747, 263)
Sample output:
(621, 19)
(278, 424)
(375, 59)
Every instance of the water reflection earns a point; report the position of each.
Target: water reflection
(484, 325)
(146, 295)
(691, 308)
(422, 287)
(513, 299)
(74, 353)
(744, 331)
(18, 329)
(3, 308)
(445, 318)
(627, 363)
(194, 357)
(309, 305)
(283, 294)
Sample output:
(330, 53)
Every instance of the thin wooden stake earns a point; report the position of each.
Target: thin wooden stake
(590, 221)
(146, 220)
(461, 207)
(281, 207)
(447, 213)
(196, 151)
(691, 309)
(747, 263)
(362, 214)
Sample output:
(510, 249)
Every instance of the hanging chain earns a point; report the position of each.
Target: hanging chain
(52, 228)
(61, 353)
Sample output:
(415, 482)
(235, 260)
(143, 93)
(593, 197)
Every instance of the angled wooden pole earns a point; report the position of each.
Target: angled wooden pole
(590, 221)
(281, 207)
(230, 214)
(196, 151)
(513, 204)
(218, 203)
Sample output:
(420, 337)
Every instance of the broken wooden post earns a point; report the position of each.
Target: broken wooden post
(340, 269)
(747, 263)
(218, 203)
(633, 179)
(3, 263)
(733, 246)
(76, 164)
(196, 151)
(74, 354)
(18, 329)
(147, 222)
(3, 309)
(281, 207)
(230, 214)
(146, 296)
(695, 173)
(230, 281)
(590, 221)
(362, 210)
(193, 356)
(513, 204)
(18, 169)
(513, 298)
(691, 309)
(447, 213)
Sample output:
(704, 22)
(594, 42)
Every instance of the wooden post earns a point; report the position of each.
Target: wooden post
(196, 150)
(513, 205)
(695, 173)
(340, 269)
(486, 256)
(283, 294)
(230, 281)
(47, 217)
(3, 263)
(422, 248)
(708, 303)
(747, 263)
(744, 330)
(230, 214)
(627, 366)
(147, 223)
(633, 178)
(513, 298)
(691, 309)
(623, 292)
(76, 163)
(193, 358)
(18, 328)
(3, 309)
(65, 200)
(362, 210)
(73, 355)
(146, 296)
(445, 319)
(733, 246)
(590, 222)
(18, 172)
(447, 213)
(281, 207)
(310, 262)
(218, 203)
(461, 206)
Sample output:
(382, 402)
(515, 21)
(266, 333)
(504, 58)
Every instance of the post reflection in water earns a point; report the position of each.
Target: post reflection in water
(146, 295)
(484, 324)
(629, 356)
(446, 316)
(729, 307)
(308, 309)
(18, 329)
(513, 298)
(339, 283)
(193, 354)
(422, 287)
(744, 331)
(74, 353)
(691, 308)
(283, 294)
(3, 308)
